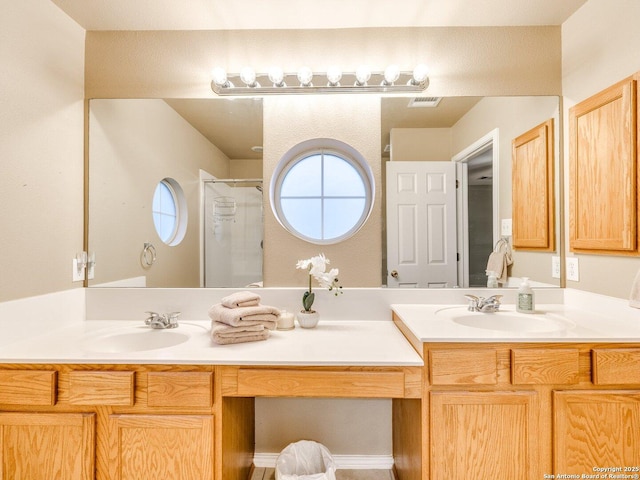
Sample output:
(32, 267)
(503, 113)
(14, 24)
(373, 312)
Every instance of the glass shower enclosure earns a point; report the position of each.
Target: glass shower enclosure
(233, 233)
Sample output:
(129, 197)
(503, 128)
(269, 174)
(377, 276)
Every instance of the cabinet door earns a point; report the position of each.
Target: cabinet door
(596, 429)
(44, 446)
(602, 172)
(532, 189)
(484, 435)
(179, 447)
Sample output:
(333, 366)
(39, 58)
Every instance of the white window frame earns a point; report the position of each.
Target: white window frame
(314, 147)
(180, 202)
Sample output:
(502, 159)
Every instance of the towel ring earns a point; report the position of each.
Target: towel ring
(148, 255)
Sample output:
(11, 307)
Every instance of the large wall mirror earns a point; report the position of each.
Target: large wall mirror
(212, 149)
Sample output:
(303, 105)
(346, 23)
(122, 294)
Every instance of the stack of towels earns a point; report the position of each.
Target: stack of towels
(241, 318)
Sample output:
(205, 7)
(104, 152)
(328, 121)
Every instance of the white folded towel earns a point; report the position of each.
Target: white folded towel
(245, 316)
(634, 297)
(224, 334)
(241, 299)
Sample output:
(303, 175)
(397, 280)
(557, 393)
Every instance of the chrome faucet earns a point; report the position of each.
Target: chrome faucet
(486, 305)
(166, 320)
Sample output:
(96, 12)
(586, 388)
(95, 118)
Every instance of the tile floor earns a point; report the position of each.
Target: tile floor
(269, 474)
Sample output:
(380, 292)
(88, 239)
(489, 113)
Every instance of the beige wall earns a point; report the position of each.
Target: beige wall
(600, 45)
(245, 168)
(354, 120)
(41, 148)
(463, 61)
(133, 145)
(420, 144)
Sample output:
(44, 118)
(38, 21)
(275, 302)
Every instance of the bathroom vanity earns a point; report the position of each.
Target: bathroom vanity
(553, 393)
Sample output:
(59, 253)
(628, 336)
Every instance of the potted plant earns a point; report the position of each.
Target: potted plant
(317, 269)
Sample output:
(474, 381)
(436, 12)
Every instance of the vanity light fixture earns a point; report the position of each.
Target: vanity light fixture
(277, 81)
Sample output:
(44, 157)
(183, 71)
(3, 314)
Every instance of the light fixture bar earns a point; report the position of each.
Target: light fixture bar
(290, 83)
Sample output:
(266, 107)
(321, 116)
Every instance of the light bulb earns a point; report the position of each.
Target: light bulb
(420, 74)
(305, 75)
(363, 74)
(334, 74)
(248, 77)
(276, 76)
(219, 77)
(391, 74)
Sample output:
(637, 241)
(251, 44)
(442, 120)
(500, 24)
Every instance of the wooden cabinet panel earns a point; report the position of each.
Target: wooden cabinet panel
(533, 189)
(596, 429)
(179, 447)
(463, 367)
(101, 388)
(603, 172)
(540, 366)
(180, 389)
(484, 435)
(616, 366)
(45, 446)
(308, 383)
(28, 387)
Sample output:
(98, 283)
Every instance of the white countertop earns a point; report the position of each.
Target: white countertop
(433, 323)
(331, 343)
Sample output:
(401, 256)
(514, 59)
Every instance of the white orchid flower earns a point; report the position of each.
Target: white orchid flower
(317, 268)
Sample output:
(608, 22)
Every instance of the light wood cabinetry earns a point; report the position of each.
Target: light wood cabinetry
(533, 189)
(150, 446)
(603, 172)
(484, 435)
(44, 446)
(597, 429)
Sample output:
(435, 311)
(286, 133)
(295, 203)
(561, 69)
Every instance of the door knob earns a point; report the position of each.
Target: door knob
(394, 274)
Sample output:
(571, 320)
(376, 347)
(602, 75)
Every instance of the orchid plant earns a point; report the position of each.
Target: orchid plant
(317, 268)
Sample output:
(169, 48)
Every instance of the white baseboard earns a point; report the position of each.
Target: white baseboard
(343, 462)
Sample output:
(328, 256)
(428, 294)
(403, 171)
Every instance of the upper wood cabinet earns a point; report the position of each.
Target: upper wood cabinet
(533, 189)
(603, 172)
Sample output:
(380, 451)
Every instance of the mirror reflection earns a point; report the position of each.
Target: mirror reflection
(212, 148)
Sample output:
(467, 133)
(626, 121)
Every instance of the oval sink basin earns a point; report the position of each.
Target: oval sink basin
(505, 321)
(137, 339)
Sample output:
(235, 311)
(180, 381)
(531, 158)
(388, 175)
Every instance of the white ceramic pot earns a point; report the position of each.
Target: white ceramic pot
(308, 319)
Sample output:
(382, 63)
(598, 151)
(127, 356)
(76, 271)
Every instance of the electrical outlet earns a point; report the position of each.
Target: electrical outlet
(77, 276)
(573, 270)
(505, 227)
(555, 266)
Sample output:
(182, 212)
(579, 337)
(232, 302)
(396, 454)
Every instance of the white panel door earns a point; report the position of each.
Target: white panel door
(421, 224)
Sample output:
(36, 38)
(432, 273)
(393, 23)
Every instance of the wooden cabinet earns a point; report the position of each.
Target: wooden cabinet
(484, 435)
(533, 189)
(43, 446)
(179, 447)
(596, 429)
(603, 203)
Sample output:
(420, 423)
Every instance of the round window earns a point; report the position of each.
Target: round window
(169, 210)
(322, 191)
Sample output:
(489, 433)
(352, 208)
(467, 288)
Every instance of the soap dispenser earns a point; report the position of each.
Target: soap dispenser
(492, 280)
(526, 302)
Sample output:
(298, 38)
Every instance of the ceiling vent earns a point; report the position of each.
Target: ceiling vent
(424, 102)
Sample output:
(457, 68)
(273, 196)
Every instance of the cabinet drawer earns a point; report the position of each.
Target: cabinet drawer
(616, 366)
(180, 389)
(463, 367)
(101, 388)
(28, 387)
(537, 366)
(307, 383)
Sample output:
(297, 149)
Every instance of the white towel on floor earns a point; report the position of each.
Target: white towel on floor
(224, 334)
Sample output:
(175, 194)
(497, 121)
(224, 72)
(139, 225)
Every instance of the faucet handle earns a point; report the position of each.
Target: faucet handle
(173, 318)
(473, 302)
(153, 317)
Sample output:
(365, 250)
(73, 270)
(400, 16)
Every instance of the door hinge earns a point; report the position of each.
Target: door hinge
(457, 183)
(457, 257)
